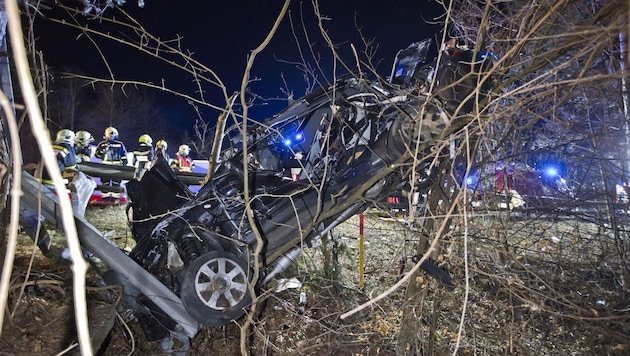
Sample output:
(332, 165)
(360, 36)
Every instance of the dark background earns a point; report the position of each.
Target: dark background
(222, 34)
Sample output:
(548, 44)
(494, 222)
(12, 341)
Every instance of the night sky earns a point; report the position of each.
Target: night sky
(222, 34)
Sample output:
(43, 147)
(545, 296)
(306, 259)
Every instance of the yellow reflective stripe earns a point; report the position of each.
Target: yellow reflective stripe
(49, 181)
(64, 151)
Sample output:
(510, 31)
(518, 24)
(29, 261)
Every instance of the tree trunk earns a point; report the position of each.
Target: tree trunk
(411, 336)
(412, 340)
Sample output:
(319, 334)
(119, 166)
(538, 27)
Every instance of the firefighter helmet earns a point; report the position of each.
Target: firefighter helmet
(184, 150)
(83, 138)
(111, 134)
(161, 144)
(66, 136)
(146, 139)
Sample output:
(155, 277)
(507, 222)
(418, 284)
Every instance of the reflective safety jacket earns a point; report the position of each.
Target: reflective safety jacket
(66, 160)
(85, 153)
(112, 152)
(182, 163)
(142, 158)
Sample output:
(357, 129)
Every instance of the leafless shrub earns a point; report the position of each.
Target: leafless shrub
(558, 91)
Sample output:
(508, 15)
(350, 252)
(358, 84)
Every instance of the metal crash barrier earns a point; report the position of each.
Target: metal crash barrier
(93, 240)
(105, 171)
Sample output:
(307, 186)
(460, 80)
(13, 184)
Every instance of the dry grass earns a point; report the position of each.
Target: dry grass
(537, 287)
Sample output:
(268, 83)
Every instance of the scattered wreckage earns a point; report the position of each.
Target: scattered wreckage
(292, 179)
(199, 256)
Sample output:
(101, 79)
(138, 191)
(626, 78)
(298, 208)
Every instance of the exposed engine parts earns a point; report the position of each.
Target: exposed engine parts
(293, 178)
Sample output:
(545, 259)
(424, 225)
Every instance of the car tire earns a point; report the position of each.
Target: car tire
(215, 288)
(409, 129)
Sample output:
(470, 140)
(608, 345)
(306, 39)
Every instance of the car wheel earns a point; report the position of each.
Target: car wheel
(215, 288)
(416, 125)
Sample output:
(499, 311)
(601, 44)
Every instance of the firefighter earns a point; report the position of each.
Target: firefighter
(182, 161)
(160, 151)
(79, 185)
(66, 157)
(31, 220)
(142, 156)
(112, 151)
(84, 148)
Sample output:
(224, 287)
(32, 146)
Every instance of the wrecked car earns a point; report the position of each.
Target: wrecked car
(294, 177)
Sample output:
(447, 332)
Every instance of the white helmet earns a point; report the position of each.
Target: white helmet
(83, 138)
(184, 150)
(66, 136)
(111, 134)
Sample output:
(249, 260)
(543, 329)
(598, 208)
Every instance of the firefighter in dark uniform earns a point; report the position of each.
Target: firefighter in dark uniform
(112, 151)
(160, 151)
(143, 156)
(31, 219)
(85, 150)
(66, 157)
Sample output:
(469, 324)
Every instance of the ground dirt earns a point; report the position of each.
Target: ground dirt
(508, 309)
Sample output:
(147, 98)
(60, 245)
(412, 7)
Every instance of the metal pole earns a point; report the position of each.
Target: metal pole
(361, 255)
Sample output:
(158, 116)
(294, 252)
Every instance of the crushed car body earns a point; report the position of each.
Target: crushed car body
(291, 179)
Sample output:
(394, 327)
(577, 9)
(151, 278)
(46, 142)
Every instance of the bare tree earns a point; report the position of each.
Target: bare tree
(557, 91)
(65, 100)
(558, 95)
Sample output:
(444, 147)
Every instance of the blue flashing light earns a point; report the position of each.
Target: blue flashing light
(551, 171)
(296, 138)
(481, 55)
(469, 181)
